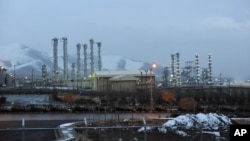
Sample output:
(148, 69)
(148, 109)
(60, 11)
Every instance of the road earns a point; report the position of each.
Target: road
(39, 127)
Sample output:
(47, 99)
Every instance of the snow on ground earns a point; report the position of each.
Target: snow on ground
(209, 123)
(66, 132)
(27, 99)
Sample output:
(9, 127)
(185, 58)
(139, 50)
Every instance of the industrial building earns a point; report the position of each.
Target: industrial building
(3, 76)
(123, 80)
(189, 75)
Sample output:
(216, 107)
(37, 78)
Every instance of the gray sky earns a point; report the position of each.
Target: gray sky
(145, 30)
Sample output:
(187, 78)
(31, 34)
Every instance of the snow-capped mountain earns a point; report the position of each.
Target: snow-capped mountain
(24, 60)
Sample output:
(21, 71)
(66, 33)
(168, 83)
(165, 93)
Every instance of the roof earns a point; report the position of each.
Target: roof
(124, 78)
(135, 73)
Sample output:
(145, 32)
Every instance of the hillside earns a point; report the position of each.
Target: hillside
(25, 59)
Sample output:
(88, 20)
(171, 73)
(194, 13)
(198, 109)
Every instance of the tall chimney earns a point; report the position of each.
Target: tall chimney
(91, 56)
(65, 59)
(55, 58)
(78, 61)
(99, 56)
(85, 69)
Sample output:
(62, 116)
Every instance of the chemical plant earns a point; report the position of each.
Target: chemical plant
(190, 75)
(77, 76)
(85, 72)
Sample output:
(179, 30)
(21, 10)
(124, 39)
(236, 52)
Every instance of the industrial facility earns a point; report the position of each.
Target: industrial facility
(189, 75)
(85, 72)
(91, 75)
(82, 76)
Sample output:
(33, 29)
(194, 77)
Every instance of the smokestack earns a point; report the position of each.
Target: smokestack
(55, 57)
(78, 61)
(99, 56)
(210, 68)
(65, 59)
(85, 69)
(197, 68)
(91, 56)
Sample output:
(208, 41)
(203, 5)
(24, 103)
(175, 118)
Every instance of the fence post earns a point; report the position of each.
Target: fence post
(86, 129)
(145, 131)
(201, 135)
(23, 132)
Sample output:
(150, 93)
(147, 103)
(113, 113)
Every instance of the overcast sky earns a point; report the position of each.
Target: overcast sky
(144, 30)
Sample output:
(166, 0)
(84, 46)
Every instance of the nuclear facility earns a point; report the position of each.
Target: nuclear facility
(189, 75)
(89, 61)
(82, 75)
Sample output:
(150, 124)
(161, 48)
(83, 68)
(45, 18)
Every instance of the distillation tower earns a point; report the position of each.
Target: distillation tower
(99, 56)
(197, 68)
(209, 68)
(65, 59)
(85, 69)
(45, 74)
(91, 56)
(78, 46)
(173, 79)
(55, 59)
(73, 76)
(178, 72)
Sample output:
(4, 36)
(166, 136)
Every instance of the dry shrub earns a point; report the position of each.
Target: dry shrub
(69, 98)
(168, 97)
(187, 103)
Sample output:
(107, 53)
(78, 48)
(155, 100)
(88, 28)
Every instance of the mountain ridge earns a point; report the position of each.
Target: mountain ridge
(24, 60)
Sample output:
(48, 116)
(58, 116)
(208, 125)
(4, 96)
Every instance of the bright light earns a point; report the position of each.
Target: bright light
(154, 65)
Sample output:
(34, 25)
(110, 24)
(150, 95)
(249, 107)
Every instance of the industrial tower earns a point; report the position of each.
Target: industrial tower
(65, 59)
(78, 46)
(99, 56)
(55, 58)
(178, 72)
(197, 68)
(91, 56)
(73, 76)
(173, 79)
(209, 68)
(85, 69)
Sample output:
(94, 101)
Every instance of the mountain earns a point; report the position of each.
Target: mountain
(24, 60)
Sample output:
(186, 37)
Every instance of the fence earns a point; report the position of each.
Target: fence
(71, 132)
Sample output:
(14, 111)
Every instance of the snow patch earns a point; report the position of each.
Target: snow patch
(208, 123)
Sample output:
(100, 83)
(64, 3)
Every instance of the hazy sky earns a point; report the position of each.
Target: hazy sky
(145, 30)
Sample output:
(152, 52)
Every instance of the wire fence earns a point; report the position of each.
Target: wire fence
(119, 133)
